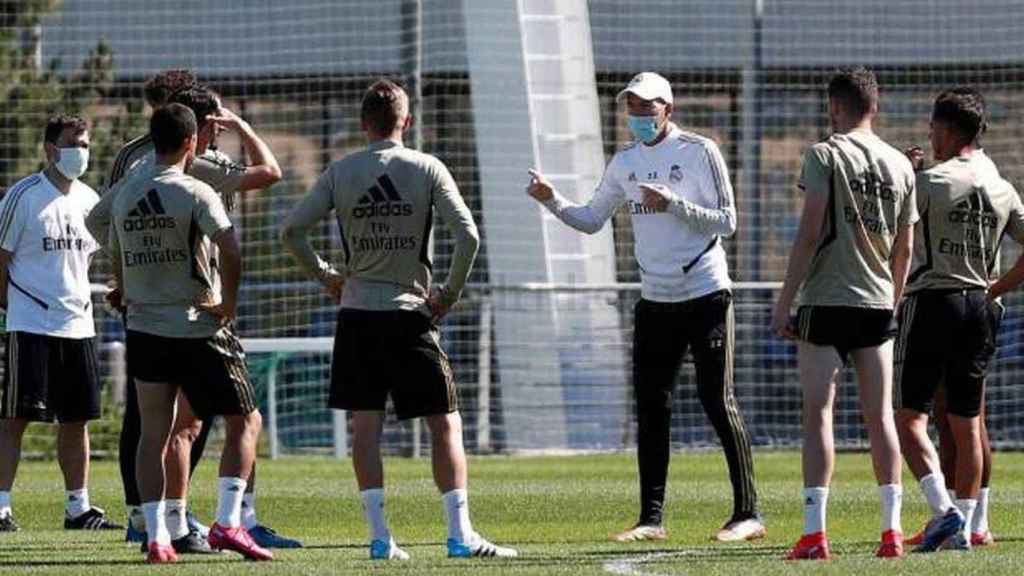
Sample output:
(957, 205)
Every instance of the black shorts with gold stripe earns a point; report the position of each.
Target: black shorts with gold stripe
(49, 377)
(394, 353)
(947, 338)
(845, 328)
(211, 371)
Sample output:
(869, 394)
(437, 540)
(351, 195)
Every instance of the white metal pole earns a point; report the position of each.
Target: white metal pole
(272, 409)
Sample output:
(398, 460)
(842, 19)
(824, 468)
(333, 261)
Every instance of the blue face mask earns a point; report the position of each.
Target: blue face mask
(644, 128)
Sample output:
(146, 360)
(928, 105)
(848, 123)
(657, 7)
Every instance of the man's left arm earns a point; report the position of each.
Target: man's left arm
(1013, 277)
(721, 220)
(900, 264)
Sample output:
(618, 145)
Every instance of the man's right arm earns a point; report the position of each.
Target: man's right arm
(587, 218)
(5, 261)
(814, 180)
(263, 170)
(12, 213)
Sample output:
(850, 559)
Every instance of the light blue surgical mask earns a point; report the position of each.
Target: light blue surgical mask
(644, 128)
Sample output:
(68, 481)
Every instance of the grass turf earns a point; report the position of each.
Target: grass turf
(559, 511)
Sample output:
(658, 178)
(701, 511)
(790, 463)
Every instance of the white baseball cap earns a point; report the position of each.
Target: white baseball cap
(649, 86)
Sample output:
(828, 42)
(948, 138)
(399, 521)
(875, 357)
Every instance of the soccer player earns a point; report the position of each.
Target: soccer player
(851, 255)
(681, 202)
(189, 438)
(950, 317)
(180, 305)
(981, 535)
(386, 344)
(51, 371)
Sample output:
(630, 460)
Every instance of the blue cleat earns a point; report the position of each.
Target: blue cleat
(940, 529)
(386, 550)
(267, 538)
(131, 534)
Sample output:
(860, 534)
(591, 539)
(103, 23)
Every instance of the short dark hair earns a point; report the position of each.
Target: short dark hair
(201, 100)
(856, 88)
(383, 105)
(170, 126)
(963, 109)
(58, 123)
(159, 89)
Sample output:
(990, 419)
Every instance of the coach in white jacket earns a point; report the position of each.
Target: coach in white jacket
(676, 188)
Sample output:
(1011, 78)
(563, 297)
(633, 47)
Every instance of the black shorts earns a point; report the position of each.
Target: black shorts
(50, 377)
(396, 353)
(947, 338)
(210, 371)
(846, 328)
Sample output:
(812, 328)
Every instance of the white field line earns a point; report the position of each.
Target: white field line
(633, 565)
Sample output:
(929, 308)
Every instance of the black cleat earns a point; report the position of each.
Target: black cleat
(92, 519)
(193, 543)
(7, 524)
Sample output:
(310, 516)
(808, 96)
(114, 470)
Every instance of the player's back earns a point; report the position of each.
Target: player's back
(871, 195)
(162, 221)
(383, 197)
(965, 208)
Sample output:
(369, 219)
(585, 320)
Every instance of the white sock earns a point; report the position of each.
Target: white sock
(156, 528)
(815, 502)
(373, 508)
(77, 502)
(966, 507)
(177, 526)
(980, 523)
(5, 502)
(456, 507)
(136, 519)
(934, 488)
(892, 504)
(229, 502)
(249, 511)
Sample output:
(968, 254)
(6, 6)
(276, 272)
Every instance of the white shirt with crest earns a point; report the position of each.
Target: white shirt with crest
(679, 251)
(48, 288)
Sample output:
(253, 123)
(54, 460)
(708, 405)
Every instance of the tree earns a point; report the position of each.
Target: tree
(33, 91)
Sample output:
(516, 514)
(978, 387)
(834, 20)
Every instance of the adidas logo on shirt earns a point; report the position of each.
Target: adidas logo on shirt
(381, 201)
(976, 210)
(148, 214)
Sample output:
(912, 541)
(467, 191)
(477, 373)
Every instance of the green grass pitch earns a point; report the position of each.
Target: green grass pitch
(559, 511)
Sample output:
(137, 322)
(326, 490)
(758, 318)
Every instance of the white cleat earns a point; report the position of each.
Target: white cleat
(477, 547)
(741, 530)
(640, 533)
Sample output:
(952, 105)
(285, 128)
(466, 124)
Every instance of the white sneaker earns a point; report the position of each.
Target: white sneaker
(477, 547)
(641, 532)
(741, 530)
(381, 550)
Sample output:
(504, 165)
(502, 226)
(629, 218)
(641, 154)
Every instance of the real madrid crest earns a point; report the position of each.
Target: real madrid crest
(675, 174)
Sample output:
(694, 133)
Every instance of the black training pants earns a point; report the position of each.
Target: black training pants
(662, 334)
